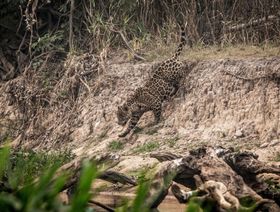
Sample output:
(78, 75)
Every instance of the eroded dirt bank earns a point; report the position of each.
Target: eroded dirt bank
(234, 103)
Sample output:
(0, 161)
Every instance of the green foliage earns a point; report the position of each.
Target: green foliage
(115, 145)
(4, 155)
(142, 193)
(8, 129)
(5, 138)
(199, 205)
(144, 173)
(138, 204)
(95, 23)
(42, 195)
(247, 204)
(25, 166)
(147, 147)
(82, 195)
(193, 207)
(48, 42)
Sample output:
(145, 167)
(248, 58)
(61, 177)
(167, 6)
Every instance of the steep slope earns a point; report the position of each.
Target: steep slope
(234, 103)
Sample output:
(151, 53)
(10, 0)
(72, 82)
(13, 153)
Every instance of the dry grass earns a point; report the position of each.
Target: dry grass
(161, 52)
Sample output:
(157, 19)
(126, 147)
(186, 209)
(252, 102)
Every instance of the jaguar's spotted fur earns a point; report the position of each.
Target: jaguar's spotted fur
(172, 70)
(146, 98)
(163, 83)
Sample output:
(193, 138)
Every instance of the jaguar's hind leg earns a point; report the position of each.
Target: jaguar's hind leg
(135, 116)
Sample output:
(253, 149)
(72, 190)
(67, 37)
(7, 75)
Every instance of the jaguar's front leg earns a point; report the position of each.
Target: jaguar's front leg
(175, 89)
(157, 114)
(132, 123)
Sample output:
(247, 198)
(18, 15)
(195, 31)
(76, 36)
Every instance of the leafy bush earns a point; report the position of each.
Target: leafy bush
(24, 166)
(41, 194)
(48, 42)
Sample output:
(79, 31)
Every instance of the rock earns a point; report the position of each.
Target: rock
(239, 134)
(274, 142)
(182, 131)
(264, 145)
(167, 131)
(221, 134)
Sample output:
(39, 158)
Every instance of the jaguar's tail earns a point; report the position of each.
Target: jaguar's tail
(182, 43)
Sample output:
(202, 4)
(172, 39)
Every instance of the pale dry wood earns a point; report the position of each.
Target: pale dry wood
(254, 22)
(135, 55)
(219, 175)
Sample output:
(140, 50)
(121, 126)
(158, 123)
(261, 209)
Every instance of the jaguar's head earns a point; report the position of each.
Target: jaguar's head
(122, 115)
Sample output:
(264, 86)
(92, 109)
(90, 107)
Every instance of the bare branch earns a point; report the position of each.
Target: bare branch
(136, 56)
(71, 36)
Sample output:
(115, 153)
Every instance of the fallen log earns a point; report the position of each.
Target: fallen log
(224, 179)
(107, 161)
(165, 156)
(116, 177)
(103, 162)
(105, 207)
(255, 22)
(219, 175)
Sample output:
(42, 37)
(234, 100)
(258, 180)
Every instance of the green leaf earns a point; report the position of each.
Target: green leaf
(4, 155)
(8, 202)
(82, 194)
(142, 192)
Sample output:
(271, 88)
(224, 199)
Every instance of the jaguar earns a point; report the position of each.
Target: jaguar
(163, 83)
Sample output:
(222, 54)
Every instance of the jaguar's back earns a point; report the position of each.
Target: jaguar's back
(170, 70)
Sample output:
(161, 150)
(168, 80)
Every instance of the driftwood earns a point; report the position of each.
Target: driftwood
(116, 177)
(255, 22)
(165, 156)
(107, 161)
(216, 176)
(73, 169)
(220, 176)
(105, 207)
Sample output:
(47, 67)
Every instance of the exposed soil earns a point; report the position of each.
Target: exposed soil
(232, 103)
